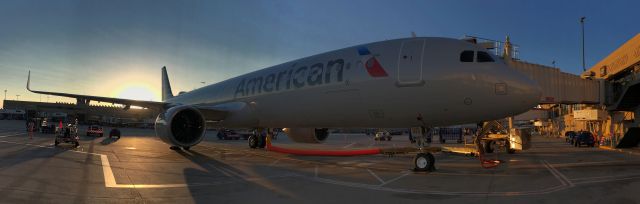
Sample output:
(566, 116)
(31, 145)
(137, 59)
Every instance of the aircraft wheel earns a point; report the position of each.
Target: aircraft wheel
(424, 162)
(488, 147)
(55, 143)
(77, 144)
(253, 141)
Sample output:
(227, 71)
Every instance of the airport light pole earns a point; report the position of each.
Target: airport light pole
(17, 97)
(5, 94)
(582, 27)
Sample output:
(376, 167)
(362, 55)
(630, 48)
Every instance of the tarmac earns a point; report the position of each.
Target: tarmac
(139, 168)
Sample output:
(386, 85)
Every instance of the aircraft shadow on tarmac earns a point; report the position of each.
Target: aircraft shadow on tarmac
(43, 155)
(108, 141)
(242, 180)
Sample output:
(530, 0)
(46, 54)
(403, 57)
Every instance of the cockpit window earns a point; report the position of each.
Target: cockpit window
(466, 56)
(484, 57)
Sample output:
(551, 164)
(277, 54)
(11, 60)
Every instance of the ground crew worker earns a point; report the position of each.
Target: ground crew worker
(30, 128)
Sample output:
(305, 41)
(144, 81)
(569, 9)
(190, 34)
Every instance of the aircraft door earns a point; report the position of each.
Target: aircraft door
(410, 64)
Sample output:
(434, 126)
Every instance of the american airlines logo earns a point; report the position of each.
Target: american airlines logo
(300, 76)
(371, 63)
(296, 77)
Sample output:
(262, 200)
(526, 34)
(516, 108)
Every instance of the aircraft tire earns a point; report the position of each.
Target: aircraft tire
(488, 148)
(424, 162)
(253, 141)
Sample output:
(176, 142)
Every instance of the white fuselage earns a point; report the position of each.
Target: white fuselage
(346, 88)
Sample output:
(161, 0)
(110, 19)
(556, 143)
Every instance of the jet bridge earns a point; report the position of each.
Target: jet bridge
(557, 87)
(560, 87)
(611, 88)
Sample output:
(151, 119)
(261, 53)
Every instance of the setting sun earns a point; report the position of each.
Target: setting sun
(137, 92)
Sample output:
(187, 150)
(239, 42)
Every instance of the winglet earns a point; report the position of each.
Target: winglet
(29, 81)
(166, 86)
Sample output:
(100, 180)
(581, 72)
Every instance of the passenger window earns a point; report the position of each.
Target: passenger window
(466, 56)
(484, 57)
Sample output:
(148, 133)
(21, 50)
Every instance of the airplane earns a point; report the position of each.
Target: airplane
(407, 82)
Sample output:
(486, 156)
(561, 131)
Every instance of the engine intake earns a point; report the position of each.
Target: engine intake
(307, 135)
(182, 126)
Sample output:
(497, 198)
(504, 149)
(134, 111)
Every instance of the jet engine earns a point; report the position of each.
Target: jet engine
(307, 135)
(180, 126)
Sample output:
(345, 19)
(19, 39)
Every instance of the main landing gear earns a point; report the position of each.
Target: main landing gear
(258, 139)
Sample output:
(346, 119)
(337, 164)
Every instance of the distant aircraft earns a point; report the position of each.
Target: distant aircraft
(410, 82)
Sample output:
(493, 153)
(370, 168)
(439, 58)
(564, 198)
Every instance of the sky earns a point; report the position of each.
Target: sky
(116, 48)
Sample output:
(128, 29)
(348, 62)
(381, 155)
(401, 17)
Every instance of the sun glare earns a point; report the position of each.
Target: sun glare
(137, 92)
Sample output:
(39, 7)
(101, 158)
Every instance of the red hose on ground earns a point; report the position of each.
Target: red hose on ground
(312, 152)
(488, 163)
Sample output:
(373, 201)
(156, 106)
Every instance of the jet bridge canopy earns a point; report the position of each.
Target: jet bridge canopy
(560, 87)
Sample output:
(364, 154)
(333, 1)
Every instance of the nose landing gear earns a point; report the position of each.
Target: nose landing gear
(424, 160)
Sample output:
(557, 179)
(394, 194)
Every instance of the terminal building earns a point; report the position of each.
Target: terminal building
(66, 112)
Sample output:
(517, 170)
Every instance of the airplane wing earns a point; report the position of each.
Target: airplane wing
(84, 99)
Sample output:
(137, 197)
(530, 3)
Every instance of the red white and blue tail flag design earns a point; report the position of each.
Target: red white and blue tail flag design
(371, 63)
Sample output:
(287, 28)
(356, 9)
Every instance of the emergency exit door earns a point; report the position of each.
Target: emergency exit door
(410, 63)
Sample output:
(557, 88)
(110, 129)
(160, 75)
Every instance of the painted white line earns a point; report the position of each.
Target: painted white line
(347, 162)
(395, 179)
(376, 176)
(220, 170)
(561, 177)
(365, 164)
(27, 144)
(13, 135)
(427, 192)
(316, 172)
(595, 163)
(622, 178)
(109, 178)
(605, 177)
(275, 162)
(229, 172)
(349, 145)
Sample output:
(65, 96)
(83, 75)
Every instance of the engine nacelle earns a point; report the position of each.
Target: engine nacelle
(182, 126)
(307, 135)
